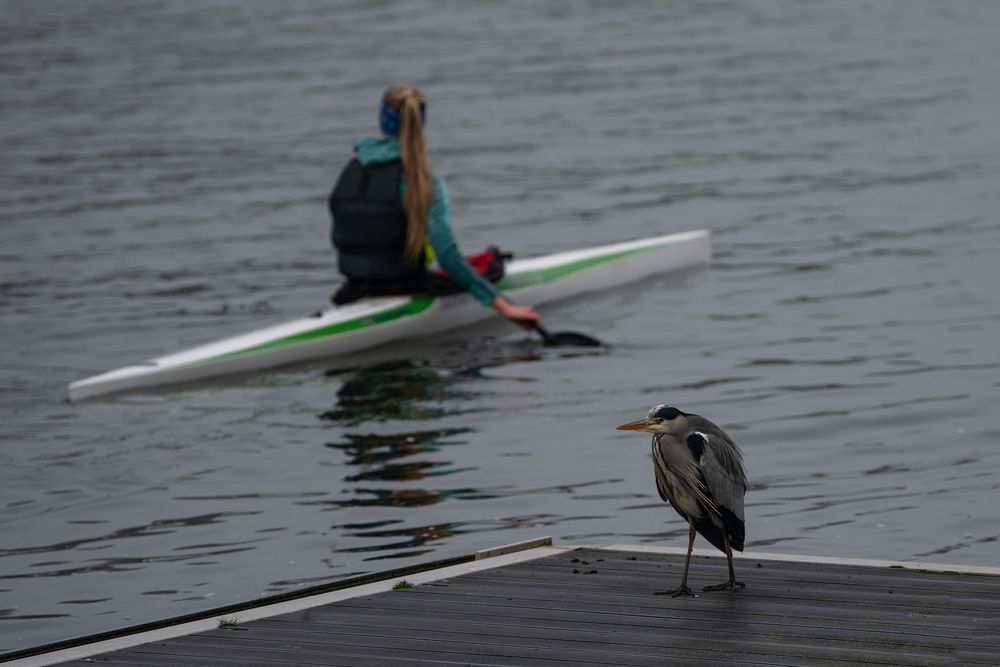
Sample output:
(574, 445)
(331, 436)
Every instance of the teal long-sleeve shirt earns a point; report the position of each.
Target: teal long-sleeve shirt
(375, 150)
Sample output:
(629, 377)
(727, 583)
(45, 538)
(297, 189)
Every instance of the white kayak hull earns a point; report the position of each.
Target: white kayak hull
(373, 322)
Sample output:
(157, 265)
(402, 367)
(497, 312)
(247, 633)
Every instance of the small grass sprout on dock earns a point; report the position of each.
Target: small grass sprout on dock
(401, 584)
(231, 622)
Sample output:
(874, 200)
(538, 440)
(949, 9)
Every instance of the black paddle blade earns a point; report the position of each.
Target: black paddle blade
(570, 339)
(565, 338)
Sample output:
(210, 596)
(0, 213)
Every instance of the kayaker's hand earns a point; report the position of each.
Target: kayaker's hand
(519, 315)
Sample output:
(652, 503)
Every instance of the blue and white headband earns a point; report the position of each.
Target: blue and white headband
(388, 119)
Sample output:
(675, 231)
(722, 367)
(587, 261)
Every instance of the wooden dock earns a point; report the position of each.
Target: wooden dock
(557, 606)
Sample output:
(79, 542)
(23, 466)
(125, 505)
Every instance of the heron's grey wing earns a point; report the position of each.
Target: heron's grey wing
(721, 466)
(726, 488)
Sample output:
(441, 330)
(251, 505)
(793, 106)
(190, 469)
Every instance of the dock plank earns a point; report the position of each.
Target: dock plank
(748, 641)
(596, 607)
(763, 570)
(537, 597)
(694, 626)
(933, 598)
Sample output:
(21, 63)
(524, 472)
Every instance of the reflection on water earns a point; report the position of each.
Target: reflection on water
(390, 390)
(404, 389)
(369, 449)
(407, 471)
(419, 390)
(408, 390)
(388, 498)
(412, 537)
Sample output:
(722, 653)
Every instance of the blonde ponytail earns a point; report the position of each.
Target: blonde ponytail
(407, 101)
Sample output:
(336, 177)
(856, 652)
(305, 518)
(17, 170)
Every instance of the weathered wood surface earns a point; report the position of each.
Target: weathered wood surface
(590, 607)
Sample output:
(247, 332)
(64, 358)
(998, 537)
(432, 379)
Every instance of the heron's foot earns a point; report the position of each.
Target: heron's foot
(680, 590)
(732, 585)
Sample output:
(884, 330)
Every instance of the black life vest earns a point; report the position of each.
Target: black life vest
(369, 224)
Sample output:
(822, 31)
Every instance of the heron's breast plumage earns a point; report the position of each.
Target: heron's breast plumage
(677, 477)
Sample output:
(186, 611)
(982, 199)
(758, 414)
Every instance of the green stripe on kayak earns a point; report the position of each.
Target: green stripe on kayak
(541, 276)
(419, 304)
(414, 306)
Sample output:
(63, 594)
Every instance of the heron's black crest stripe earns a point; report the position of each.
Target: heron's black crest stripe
(696, 443)
(667, 412)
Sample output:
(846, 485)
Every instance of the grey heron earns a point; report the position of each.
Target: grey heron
(699, 471)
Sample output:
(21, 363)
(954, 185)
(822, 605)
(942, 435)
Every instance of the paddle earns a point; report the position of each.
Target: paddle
(562, 338)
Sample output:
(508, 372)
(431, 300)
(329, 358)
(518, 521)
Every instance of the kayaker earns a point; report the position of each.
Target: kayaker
(391, 217)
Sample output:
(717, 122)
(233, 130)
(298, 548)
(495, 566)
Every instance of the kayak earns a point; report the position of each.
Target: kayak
(372, 322)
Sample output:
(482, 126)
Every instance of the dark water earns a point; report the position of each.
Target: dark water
(162, 183)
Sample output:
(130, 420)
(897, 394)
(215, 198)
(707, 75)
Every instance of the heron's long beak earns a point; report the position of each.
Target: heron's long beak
(641, 425)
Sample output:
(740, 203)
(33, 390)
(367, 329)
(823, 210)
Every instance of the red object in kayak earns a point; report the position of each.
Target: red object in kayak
(488, 263)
